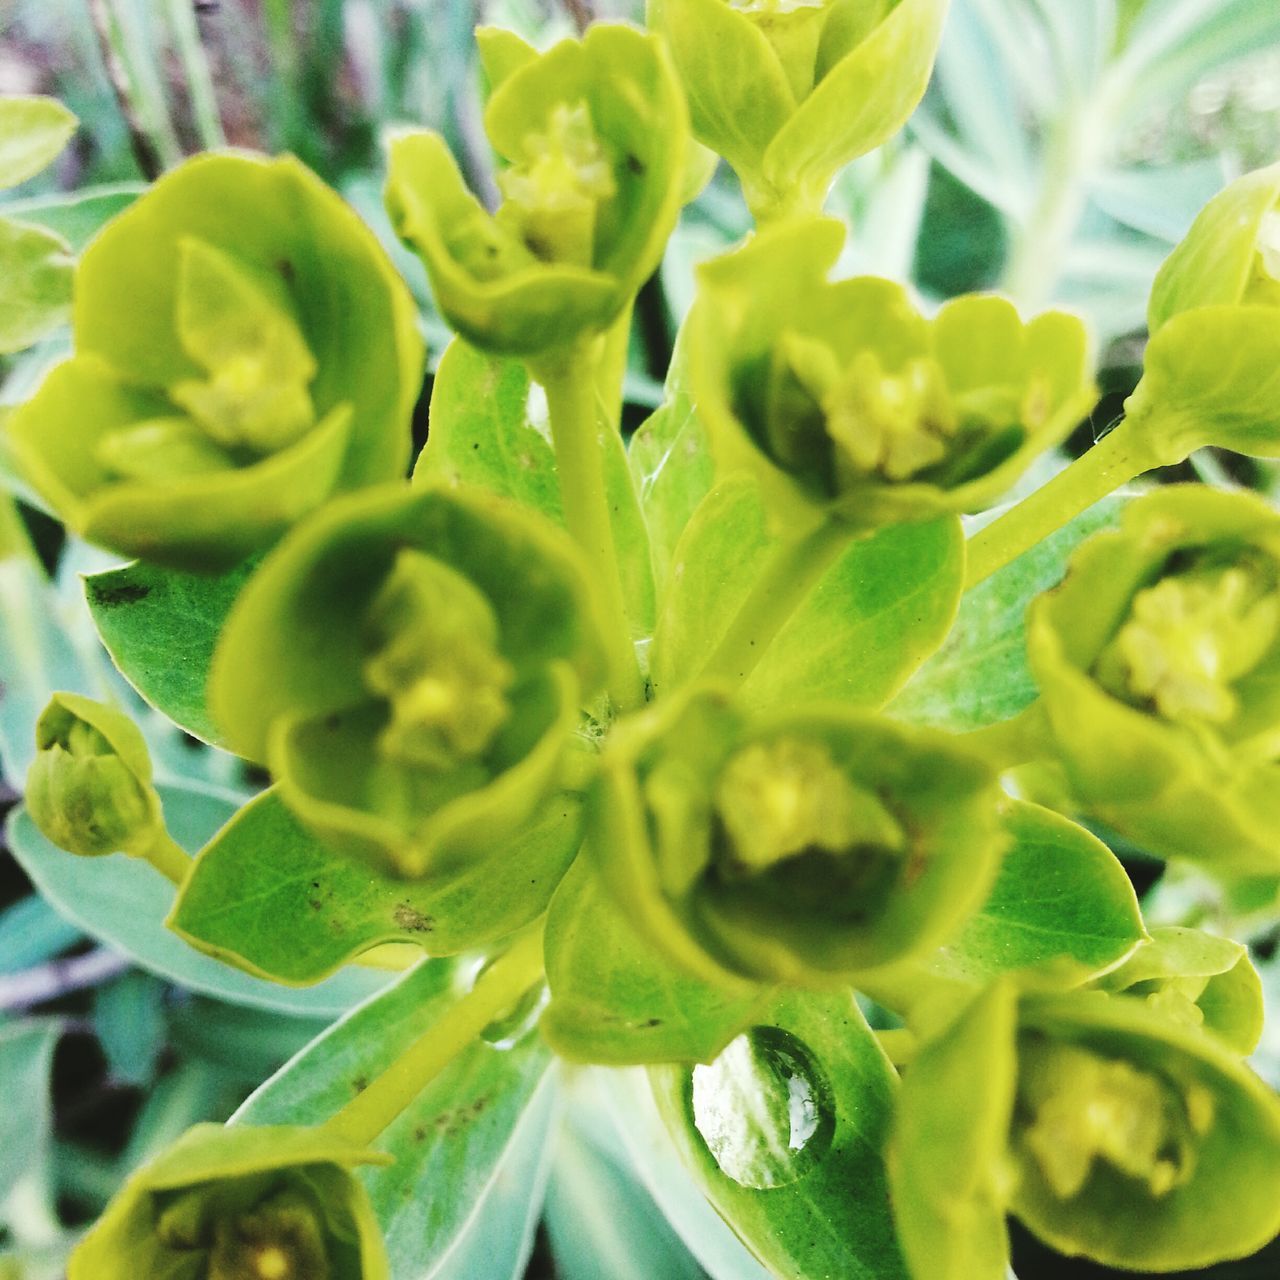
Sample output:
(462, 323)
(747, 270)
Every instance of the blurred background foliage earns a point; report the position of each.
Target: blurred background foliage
(1061, 151)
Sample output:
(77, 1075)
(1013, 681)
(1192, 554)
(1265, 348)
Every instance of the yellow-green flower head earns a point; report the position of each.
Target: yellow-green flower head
(790, 91)
(89, 788)
(430, 724)
(270, 1203)
(1211, 373)
(1108, 1129)
(1156, 659)
(243, 350)
(797, 848)
(842, 398)
(593, 137)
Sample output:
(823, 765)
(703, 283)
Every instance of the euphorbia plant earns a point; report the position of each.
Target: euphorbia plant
(630, 767)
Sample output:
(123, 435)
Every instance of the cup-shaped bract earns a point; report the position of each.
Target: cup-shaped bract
(410, 665)
(1197, 978)
(790, 91)
(1108, 1129)
(593, 136)
(269, 1203)
(243, 350)
(1157, 660)
(844, 400)
(1211, 372)
(89, 787)
(796, 847)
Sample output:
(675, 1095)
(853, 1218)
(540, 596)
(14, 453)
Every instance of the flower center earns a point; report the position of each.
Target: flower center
(1189, 637)
(434, 658)
(553, 193)
(1078, 1108)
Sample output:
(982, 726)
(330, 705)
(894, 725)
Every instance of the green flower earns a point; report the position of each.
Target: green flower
(842, 398)
(243, 350)
(790, 91)
(593, 136)
(1156, 662)
(269, 1203)
(798, 847)
(89, 788)
(1110, 1130)
(428, 727)
(1212, 368)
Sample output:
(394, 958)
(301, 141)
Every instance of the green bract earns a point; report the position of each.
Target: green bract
(1212, 368)
(790, 91)
(798, 847)
(1111, 1131)
(89, 788)
(1157, 662)
(271, 1203)
(843, 399)
(429, 725)
(35, 264)
(593, 135)
(243, 349)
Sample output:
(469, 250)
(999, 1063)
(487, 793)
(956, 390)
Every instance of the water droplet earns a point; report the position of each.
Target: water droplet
(764, 1109)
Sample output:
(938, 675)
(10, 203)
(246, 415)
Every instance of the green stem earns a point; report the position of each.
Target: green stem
(791, 573)
(1012, 742)
(1115, 460)
(168, 857)
(570, 385)
(204, 102)
(495, 991)
(900, 1045)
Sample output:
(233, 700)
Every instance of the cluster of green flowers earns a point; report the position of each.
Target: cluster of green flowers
(445, 686)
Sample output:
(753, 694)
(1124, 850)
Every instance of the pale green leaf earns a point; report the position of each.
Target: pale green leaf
(35, 284)
(33, 130)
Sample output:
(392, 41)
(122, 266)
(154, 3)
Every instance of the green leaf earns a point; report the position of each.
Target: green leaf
(122, 902)
(980, 675)
(672, 469)
(615, 1000)
(886, 603)
(35, 296)
(128, 1017)
(76, 216)
(26, 1122)
(447, 1145)
(160, 627)
(482, 433)
(31, 932)
(829, 1090)
(601, 1221)
(33, 130)
(268, 897)
(1061, 896)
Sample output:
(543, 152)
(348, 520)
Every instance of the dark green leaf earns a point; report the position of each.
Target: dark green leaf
(980, 675)
(123, 902)
(160, 627)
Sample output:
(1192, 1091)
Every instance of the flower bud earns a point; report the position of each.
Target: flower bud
(1154, 661)
(1209, 373)
(594, 135)
(843, 399)
(246, 1203)
(790, 91)
(243, 349)
(798, 848)
(428, 729)
(89, 788)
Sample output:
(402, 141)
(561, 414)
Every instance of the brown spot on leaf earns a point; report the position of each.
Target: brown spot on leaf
(409, 918)
(126, 593)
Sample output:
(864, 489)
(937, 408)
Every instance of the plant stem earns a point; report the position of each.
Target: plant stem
(204, 102)
(495, 991)
(1011, 742)
(1115, 460)
(168, 857)
(793, 570)
(570, 385)
(900, 1045)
